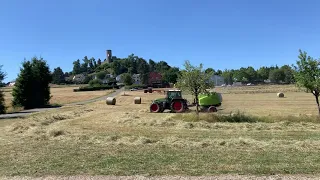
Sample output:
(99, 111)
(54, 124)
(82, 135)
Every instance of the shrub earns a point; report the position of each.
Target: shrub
(95, 87)
(137, 86)
(95, 82)
(2, 105)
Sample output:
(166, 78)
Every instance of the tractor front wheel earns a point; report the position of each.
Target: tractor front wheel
(178, 106)
(155, 108)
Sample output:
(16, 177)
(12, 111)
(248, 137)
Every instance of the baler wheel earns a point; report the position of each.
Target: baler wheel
(212, 109)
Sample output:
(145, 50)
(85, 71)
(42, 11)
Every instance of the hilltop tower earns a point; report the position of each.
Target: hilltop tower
(109, 56)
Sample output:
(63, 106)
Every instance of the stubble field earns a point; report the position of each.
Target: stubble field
(125, 139)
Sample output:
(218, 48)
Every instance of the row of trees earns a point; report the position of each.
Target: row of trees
(275, 74)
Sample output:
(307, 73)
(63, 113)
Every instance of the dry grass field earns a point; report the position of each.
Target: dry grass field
(125, 139)
(60, 95)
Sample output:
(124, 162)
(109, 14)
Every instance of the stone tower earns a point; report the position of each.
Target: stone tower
(109, 56)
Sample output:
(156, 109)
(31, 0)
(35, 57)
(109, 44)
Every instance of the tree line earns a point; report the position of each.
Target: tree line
(130, 65)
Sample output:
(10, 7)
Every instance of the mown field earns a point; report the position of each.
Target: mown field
(60, 95)
(125, 139)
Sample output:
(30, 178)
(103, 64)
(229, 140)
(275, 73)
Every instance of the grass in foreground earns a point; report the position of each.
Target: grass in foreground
(126, 139)
(72, 142)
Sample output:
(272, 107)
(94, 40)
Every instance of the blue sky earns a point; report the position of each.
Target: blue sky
(220, 34)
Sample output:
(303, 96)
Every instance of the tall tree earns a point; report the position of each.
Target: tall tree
(76, 67)
(194, 80)
(276, 75)
(58, 76)
(127, 79)
(152, 65)
(84, 65)
(32, 85)
(251, 74)
(227, 75)
(99, 62)
(162, 66)
(219, 72)
(2, 103)
(143, 70)
(210, 70)
(307, 75)
(288, 74)
(263, 73)
(91, 64)
(171, 75)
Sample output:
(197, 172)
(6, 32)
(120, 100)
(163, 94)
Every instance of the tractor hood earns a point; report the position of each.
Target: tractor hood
(160, 100)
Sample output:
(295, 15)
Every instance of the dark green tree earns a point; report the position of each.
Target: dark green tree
(99, 62)
(143, 70)
(251, 74)
(210, 70)
(263, 73)
(162, 67)
(152, 65)
(127, 79)
(288, 74)
(227, 75)
(219, 72)
(84, 65)
(92, 64)
(171, 76)
(32, 85)
(76, 67)
(307, 75)
(276, 75)
(58, 76)
(101, 75)
(2, 103)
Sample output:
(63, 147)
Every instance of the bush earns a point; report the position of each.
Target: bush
(95, 82)
(2, 105)
(95, 87)
(136, 86)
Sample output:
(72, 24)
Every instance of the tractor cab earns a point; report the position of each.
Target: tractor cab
(173, 94)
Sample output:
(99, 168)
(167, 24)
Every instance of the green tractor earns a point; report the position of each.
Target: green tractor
(174, 102)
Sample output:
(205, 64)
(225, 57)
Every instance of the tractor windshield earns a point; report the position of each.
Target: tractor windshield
(174, 94)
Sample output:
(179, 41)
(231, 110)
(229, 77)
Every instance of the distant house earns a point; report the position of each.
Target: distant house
(12, 83)
(218, 80)
(106, 79)
(119, 79)
(136, 79)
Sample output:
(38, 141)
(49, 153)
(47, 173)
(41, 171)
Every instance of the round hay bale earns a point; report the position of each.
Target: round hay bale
(145, 91)
(137, 100)
(280, 95)
(111, 101)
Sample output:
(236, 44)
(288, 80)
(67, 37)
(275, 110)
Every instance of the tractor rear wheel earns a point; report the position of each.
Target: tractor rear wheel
(155, 108)
(178, 106)
(212, 109)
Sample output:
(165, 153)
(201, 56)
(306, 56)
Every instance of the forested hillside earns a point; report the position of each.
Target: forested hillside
(84, 70)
